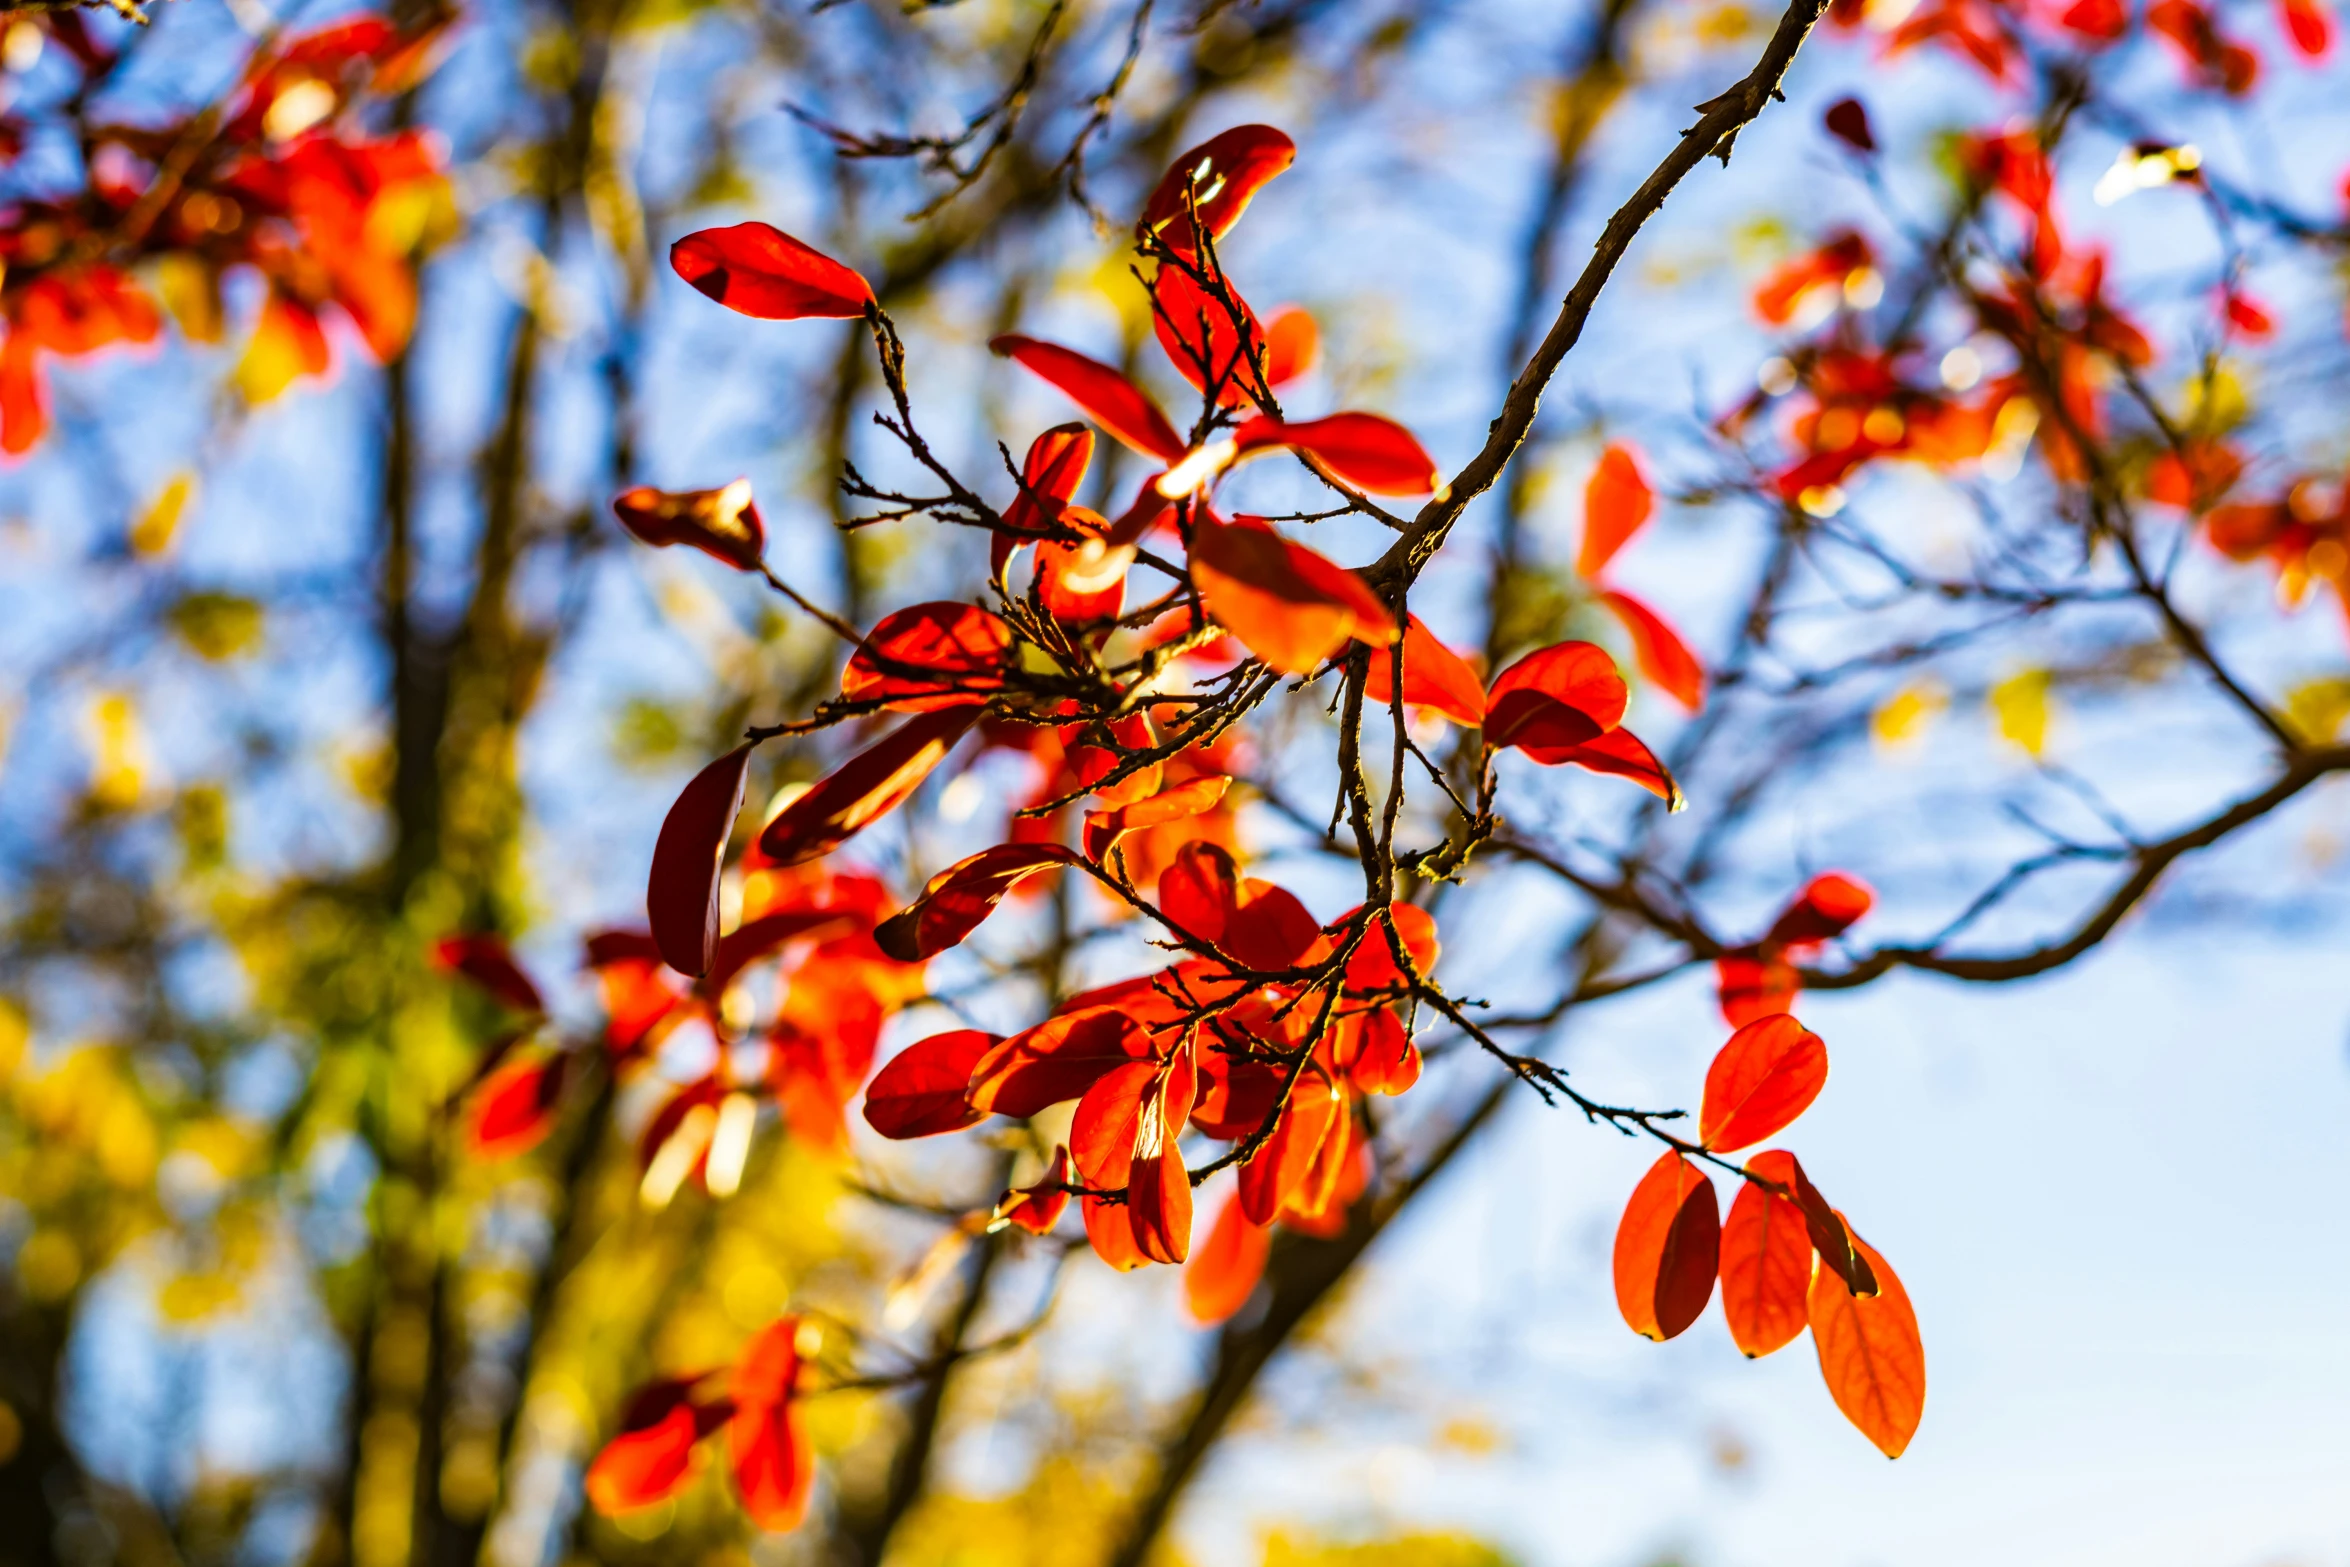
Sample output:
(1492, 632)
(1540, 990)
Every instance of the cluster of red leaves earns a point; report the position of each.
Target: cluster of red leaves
(2304, 534)
(275, 181)
(662, 1429)
(1995, 36)
(1760, 979)
(1785, 1258)
(1617, 500)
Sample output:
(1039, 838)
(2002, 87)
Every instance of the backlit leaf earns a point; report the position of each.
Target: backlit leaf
(761, 271)
(485, 959)
(1616, 501)
(1049, 476)
(958, 898)
(1434, 677)
(1555, 698)
(773, 1462)
(681, 898)
(1038, 1208)
(1224, 1271)
(516, 1105)
(1057, 1060)
(929, 656)
(1103, 829)
(1667, 1246)
(1766, 1076)
(1826, 908)
(1871, 1356)
(721, 523)
(1659, 651)
(1109, 399)
(1217, 178)
(923, 1090)
(653, 1454)
(1288, 605)
(866, 787)
(1277, 1171)
(1766, 1261)
(1368, 452)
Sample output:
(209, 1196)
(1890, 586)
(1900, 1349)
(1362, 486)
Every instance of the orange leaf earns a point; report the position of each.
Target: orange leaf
(761, 271)
(2309, 24)
(1434, 676)
(721, 523)
(924, 1090)
(1059, 1059)
(1667, 1246)
(1292, 344)
(516, 1105)
(962, 895)
(1616, 501)
(1376, 1052)
(1103, 829)
(1766, 1076)
(1275, 1173)
(1558, 697)
(1766, 1261)
(1870, 1354)
(1290, 606)
(773, 1464)
(1224, 1272)
(653, 1454)
(1659, 651)
(866, 787)
(1334, 1179)
(485, 959)
(929, 656)
(1107, 396)
(1038, 1208)
(1109, 1230)
(681, 898)
(1369, 452)
(1220, 175)
(1084, 582)
(1158, 1187)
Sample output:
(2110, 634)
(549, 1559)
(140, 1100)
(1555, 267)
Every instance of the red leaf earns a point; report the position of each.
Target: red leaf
(1766, 1261)
(681, 897)
(1751, 985)
(1110, 1232)
(1084, 582)
(1221, 175)
(866, 787)
(1108, 398)
(1667, 1246)
(1057, 1060)
(1434, 676)
(1616, 501)
(2309, 24)
(959, 897)
(1289, 606)
(487, 961)
(1334, 1179)
(924, 1089)
(1561, 696)
(1659, 651)
(1871, 1356)
(761, 271)
(1825, 909)
(653, 1454)
(1223, 1273)
(1368, 452)
(1269, 930)
(1377, 1053)
(1766, 1076)
(773, 1463)
(1276, 1172)
(1373, 966)
(1108, 1123)
(516, 1105)
(1158, 1188)
(1049, 476)
(1292, 344)
(1200, 889)
(1038, 1208)
(1213, 352)
(929, 656)
(1622, 754)
(1831, 1237)
(1103, 829)
(763, 937)
(1235, 1096)
(721, 523)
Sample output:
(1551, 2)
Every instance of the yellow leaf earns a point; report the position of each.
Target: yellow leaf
(1905, 716)
(2317, 708)
(159, 524)
(118, 752)
(218, 626)
(191, 292)
(2021, 707)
